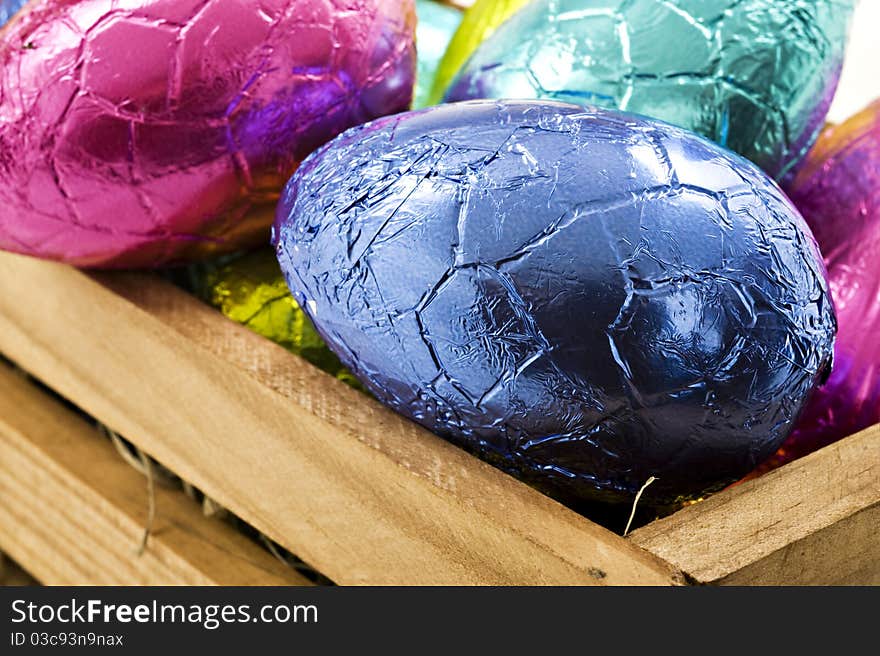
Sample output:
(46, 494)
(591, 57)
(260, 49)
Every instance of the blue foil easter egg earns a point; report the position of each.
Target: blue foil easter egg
(586, 298)
(437, 23)
(8, 9)
(756, 76)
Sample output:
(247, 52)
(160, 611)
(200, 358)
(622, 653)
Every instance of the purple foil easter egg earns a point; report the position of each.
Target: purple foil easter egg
(838, 192)
(583, 297)
(139, 133)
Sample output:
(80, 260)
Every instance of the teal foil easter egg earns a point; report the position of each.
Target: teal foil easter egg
(437, 23)
(756, 76)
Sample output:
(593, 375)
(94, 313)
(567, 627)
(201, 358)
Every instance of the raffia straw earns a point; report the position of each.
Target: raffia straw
(632, 515)
(124, 452)
(155, 473)
(270, 545)
(189, 490)
(211, 508)
(151, 501)
(297, 565)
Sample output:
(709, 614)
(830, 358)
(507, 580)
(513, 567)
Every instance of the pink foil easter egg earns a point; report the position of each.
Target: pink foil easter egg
(139, 133)
(838, 192)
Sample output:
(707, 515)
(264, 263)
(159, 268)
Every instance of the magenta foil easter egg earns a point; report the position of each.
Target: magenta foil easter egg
(838, 192)
(139, 133)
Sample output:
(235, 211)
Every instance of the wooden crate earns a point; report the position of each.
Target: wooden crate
(362, 495)
(72, 511)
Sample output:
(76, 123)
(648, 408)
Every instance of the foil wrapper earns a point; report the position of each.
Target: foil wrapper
(838, 192)
(756, 76)
(585, 298)
(480, 21)
(145, 133)
(251, 290)
(437, 23)
(8, 9)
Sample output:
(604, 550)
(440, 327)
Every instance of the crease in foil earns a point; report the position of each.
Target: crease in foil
(140, 134)
(585, 298)
(756, 76)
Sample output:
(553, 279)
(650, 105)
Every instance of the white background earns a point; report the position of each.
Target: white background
(861, 74)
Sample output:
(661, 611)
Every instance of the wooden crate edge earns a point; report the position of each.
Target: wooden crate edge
(814, 521)
(355, 490)
(74, 512)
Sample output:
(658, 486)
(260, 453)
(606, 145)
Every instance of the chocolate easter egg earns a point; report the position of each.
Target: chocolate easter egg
(251, 290)
(838, 192)
(143, 133)
(756, 76)
(437, 24)
(586, 298)
(480, 20)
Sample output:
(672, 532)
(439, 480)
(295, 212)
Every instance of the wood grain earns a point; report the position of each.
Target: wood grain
(816, 521)
(359, 493)
(73, 512)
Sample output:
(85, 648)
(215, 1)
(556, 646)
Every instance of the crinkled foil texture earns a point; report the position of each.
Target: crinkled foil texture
(838, 192)
(480, 20)
(585, 298)
(8, 9)
(141, 133)
(756, 76)
(251, 290)
(437, 23)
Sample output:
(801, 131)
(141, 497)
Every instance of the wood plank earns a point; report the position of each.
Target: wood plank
(815, 521)
(73, 512)
(359, 493)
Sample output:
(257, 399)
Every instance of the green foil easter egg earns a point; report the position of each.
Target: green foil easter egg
(480, 21)
(436, 26)
(757, 76)
(251, 290)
